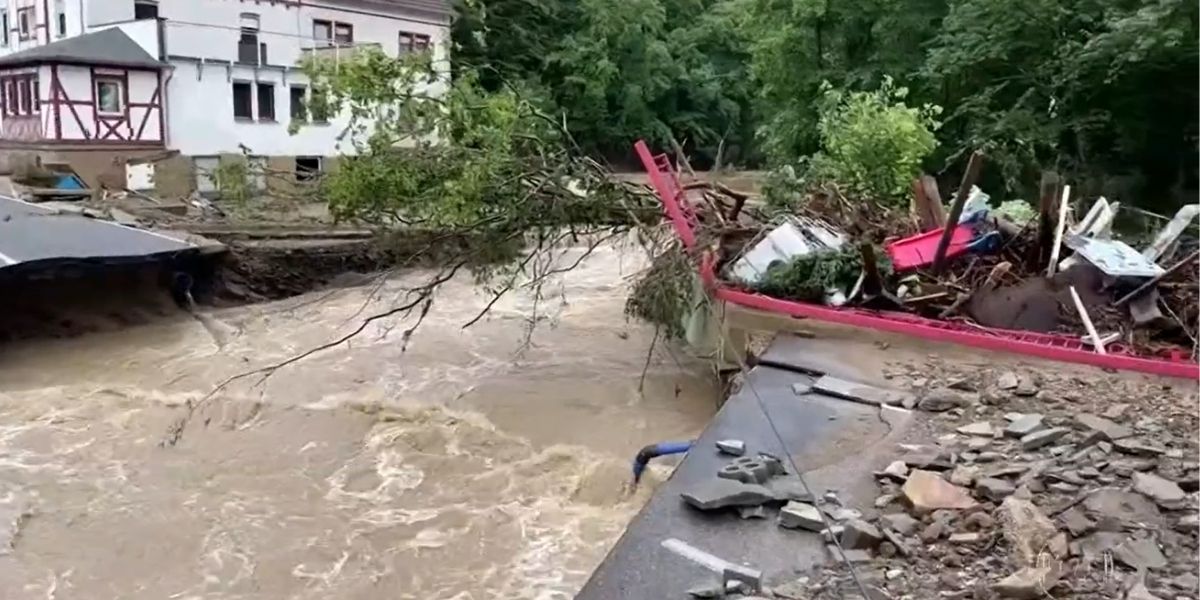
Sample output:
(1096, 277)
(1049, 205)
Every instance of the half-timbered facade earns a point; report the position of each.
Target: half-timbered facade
(97, 90)
(181, 85)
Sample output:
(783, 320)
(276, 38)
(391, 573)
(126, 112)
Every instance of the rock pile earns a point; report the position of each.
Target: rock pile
(1058, 488)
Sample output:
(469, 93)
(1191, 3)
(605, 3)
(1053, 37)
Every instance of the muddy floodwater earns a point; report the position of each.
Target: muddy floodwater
(467, 466)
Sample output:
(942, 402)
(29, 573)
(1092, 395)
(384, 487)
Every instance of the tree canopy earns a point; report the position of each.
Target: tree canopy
(1102, 90)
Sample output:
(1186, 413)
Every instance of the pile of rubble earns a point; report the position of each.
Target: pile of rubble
(1036, 487)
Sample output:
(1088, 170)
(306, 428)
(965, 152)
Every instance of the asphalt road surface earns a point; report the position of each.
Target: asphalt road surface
(31, 235)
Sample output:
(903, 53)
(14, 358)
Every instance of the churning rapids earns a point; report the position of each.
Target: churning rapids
(463, 467)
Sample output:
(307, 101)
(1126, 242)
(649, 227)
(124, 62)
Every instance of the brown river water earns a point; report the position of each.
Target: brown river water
(467, 466)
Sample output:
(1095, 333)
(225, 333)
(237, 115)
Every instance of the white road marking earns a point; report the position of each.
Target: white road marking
(713, 563)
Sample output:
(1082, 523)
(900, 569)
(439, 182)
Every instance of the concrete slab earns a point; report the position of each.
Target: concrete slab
(33, 235)
(831, 441)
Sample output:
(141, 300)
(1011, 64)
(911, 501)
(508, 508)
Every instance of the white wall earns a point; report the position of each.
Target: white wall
(104, 12)
(200, 97)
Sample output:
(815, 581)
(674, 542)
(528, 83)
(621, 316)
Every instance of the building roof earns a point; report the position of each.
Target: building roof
(110, 47)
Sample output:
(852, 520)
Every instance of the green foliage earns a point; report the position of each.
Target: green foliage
(663, 295)
(872, 142)
(232, 179)
(809, 277)
(1017, 211)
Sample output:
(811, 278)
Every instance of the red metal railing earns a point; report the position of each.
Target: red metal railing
(665, 181)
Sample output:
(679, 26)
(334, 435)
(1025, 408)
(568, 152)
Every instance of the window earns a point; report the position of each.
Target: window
(4, 24)
(145, 9)
(248, 49)
(266, 102)
(307, 167)
(328, 33)
(242, 102)
(24, 22)
(108, 96)
(60, 16)
(318, 107)
(19, 96)
(296, 95)
(411, 43)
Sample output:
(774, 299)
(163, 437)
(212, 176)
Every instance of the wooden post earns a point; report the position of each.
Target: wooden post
(1047, 207)
(927, 203)
(1063, 205)
(1087, 322)
(960, 199)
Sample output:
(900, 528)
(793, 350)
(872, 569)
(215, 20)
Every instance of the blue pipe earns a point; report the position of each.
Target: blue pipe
(654, 450)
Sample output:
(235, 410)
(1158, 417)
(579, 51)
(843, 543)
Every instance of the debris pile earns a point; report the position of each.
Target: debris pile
(970, 263)
(1033, 489)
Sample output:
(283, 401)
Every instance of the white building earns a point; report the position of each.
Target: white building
(159, 89)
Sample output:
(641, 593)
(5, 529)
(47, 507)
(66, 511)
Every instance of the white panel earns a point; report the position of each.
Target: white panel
(103, 12)
(139, 176)
(144, 32)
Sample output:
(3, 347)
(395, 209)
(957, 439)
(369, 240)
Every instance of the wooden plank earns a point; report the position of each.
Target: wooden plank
(938, 212)
(974, 166)
(1047, 208)
(861, 392)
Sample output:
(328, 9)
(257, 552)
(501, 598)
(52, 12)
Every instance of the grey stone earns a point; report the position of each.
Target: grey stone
(750, 576)
(943, 399)
(1163, 491)
(978, 443)
(1027, 530)
(1042, 438)
(1139, 592)
(746, 470)
(966, 538)
(901, 523)
(789, 488)
(1115, 411)
(844, 514)
(1093, 547)
(1062, 488)
(707, 590)
(1025, 425)
(994, 489)
(1076, 522)
(801, 389)
(1138, 447)
(964, 475)
(719, 493)
(1188, 524)
(859, 534)
(897, 471)
(1028, 584)
(978, 521)
(1008, 381)
(885, 499)
(774, 465)
(1140, 553)
(1089, 473)
(731, 447)
(896, 541)
(1026, 387)
(832, 533)
(852, 556)
(1108, 429)
(1128, 508)
(1006, 470)
(981, 428)
(859, 392)
(800, 515)
(737, 589)
(936, 461)
(752, 512)
(988, 457)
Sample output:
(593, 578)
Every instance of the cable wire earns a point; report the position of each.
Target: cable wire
(762, 407)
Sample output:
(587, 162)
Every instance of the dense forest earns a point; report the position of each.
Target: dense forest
(1105, 91)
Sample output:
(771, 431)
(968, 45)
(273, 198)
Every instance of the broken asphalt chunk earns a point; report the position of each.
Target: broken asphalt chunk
(982, 428)
(719, 493)
(994, 489)
(731, 447)
(860, 535)
(1129, 508)
(1138, 447)
(1140, 553)
(801, 515)
(746, 470)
